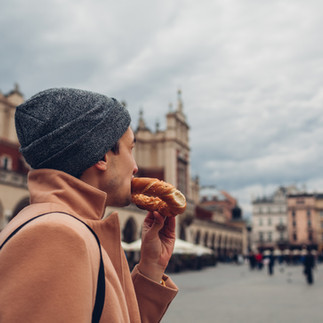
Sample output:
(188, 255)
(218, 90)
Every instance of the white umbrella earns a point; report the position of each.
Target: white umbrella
(181, 247)
(201, 250)
(277, 252)
(134, 246)
(296, 252)
(124, 245)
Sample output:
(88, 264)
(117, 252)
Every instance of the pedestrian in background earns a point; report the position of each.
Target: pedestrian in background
(252, 260)
(271, 263)
(309, 264)
(259, 260)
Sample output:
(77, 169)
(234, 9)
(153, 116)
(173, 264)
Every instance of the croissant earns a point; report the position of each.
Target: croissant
(152, 194)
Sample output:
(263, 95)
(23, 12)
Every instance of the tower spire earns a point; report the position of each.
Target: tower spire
(141, 122)
(179, 101)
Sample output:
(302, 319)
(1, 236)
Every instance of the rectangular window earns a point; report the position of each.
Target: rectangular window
(6, 162)
(269, 221)
(294, 236)
(182, 175)
(269, 236)
(261, 236)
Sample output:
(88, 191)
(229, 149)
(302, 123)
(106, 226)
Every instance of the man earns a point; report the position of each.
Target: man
(271, 263)
(309, 264)
(79, 146)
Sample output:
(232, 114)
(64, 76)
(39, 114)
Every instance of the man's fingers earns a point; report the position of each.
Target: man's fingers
(170, 223)
(149, 218)
(158, 222)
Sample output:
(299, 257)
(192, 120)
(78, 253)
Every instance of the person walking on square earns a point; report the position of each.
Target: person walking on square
(259, 260)
(61, 260)
(271, 263)
(252, 260)
(309, 263)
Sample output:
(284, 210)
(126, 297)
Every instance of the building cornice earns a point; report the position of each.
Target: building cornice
(12, 178)
(213, 224)
(161, 140)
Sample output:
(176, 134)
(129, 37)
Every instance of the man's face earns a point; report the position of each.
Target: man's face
(120, 170)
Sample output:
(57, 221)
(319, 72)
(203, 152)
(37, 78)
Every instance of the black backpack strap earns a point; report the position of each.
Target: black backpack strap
(100, 289)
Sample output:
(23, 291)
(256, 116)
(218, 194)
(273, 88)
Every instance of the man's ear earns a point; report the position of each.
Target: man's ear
(102, 164)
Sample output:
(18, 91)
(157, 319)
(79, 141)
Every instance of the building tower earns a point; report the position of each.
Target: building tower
(165, 154)
(13, 169)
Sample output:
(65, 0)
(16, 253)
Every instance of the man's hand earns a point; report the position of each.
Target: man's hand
(158, 239)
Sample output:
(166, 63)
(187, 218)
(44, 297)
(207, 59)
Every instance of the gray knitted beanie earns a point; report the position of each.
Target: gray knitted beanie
(69, 129)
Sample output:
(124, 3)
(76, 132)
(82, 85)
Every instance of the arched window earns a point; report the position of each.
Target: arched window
(213, 241)
(129, 231)
(197, 237)
(206, 238)
(220, 246)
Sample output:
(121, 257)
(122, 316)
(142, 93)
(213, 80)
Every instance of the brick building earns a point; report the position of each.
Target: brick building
(303, 221)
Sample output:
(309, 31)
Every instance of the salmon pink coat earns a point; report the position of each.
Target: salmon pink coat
(49, 269)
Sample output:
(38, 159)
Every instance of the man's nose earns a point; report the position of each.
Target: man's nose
(135, 170)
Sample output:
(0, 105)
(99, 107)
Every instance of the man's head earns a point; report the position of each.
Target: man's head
(113, 173)
(69, 129)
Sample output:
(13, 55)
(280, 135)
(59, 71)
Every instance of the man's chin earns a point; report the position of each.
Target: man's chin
(121, 203)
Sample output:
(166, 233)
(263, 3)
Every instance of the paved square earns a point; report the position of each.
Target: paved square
(232, 293)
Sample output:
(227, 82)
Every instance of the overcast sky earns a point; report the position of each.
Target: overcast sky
(250, 71)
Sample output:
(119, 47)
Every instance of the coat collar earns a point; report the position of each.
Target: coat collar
(48, 185)
(57, 191)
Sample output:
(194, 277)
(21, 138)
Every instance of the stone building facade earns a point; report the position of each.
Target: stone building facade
(13, 180)
(289, 219)
(270, 220)
(166, 155)
(303, 221)
(225, 231)
(319, 210)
